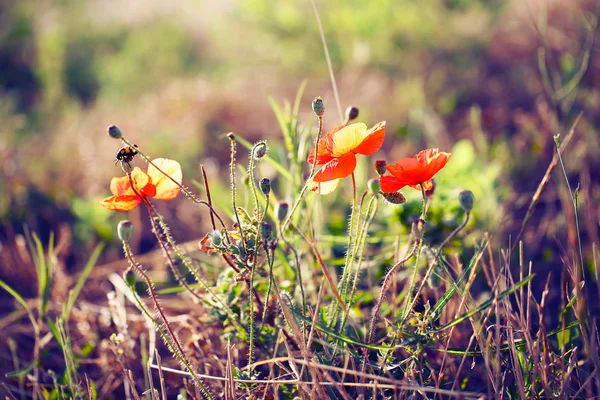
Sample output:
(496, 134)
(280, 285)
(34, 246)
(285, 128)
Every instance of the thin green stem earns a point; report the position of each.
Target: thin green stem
(234, 192)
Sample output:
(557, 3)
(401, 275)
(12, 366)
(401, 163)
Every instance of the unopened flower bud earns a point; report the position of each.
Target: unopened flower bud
(380, 167)
(374, 186)
(265, 230)
(114, 132)
(216, 238)
(126, 167)
(395, 198)
(351, 113)
(418, 228)
(318, 106)
(129, 278)
(466, 199)
(125, 230)
(260, 150)
(231, 136)
(281, 210)
(265, 186)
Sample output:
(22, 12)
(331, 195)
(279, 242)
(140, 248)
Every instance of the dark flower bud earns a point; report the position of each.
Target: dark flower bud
(260, 150)
(126, 167)
(125, 230)
(395, 198)
(418, 228)
(114, 132)
(374, 186)
(351, 113)
(318, 106)
(265, 186)
(380, 167)
(281, 210)
(466, 199)
(265, 230)
(129, 278)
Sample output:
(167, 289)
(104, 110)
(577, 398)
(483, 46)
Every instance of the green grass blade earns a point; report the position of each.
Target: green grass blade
(66, 313)
(485, 305)
(21, 301)
(283, 125)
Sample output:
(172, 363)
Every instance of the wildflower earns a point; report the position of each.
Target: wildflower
(151, 183)
(414, 171)
(337, 153)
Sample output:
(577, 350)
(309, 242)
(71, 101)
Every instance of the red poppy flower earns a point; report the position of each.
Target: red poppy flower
(337, 153)
(414, 171)
(152, 183)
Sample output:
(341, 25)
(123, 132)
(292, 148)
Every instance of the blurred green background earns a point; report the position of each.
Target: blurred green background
(492, 81)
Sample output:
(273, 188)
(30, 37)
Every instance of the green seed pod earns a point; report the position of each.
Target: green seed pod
(125, 230)
(216, 238)
(265, 186)
(351, 113)
(374, 186)
(466, 199)
(281, 210)
(380, 167)
(129, 278)
(318, 106)
(114, 132)
(395, 198)
(265, 230)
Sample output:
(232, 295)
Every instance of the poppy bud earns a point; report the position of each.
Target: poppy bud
(318, 106)
(114, 132)
(351, 113)
(125, 230)
(126, 167)
(231, 136)
(260, 150)
(129, 278)
(466, 199)
(374, 186)
(216, 238)
(281, 210)
(395, 198)
(418, 228)
(265, 230)
(380, 167)
(265, 186)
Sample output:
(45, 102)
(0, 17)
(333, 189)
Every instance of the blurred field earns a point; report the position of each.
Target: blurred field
(491, 81)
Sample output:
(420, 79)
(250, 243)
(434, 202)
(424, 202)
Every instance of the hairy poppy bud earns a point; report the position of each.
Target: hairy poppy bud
(380, 167)
(265, 230)
(466, 199)
(114, 132)
(351, 113)
(374, 186)
(418, 228)
(216, 238)
(126, 167)
(395, 198)
(318, 106)
(265, 186)
(129, 277)
(125, 230)
(260, 150)
(281, 210)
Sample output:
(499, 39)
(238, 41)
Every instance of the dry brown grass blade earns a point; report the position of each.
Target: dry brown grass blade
(544, 182)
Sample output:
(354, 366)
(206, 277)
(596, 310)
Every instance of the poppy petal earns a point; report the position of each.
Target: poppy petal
(390, 184)
(324, 187)
(339, 167)
(120, 186)
(374, 140)
(347, 139)
(121, 203)
(166, 189)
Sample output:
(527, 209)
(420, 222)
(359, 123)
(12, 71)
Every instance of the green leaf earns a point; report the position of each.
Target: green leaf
(21, 301)
(485, 305)
(22, 372)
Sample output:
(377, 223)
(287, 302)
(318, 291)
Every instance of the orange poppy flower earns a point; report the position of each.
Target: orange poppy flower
(148, 184)
(414, 171)
(337, 153)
